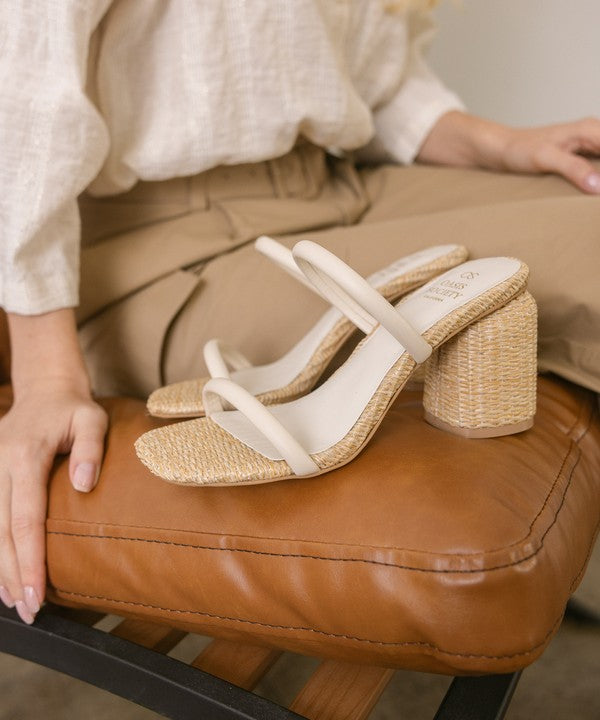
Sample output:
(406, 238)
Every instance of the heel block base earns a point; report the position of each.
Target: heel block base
(481, 432)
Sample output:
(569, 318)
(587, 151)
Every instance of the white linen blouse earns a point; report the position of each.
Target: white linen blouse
(99, 94)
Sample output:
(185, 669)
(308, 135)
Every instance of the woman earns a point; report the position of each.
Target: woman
(117, 93)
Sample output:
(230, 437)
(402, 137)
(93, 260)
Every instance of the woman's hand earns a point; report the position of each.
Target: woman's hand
(468, 141)
(53, 412)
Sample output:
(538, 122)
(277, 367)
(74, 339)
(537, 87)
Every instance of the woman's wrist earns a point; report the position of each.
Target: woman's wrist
(45, 352)
(464, 140)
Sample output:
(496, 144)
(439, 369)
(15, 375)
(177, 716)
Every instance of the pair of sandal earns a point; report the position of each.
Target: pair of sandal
(474, 321)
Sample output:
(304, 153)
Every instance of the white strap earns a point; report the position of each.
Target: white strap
(282, 256)
(220, 358)
(291, 450)
(353, 295)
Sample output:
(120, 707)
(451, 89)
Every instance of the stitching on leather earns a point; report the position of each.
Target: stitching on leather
(337, 636)
(274, 554)
(328, 544)
(335, 559)
(547, 499)
(367, 640)
(414, 643)
(574, 442)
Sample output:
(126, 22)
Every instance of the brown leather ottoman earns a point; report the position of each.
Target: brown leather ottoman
(428, 552)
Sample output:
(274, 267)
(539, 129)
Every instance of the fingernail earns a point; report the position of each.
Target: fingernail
(592, 182)
(6, 597)
(24, 613)
(84, 477)
(31, 599)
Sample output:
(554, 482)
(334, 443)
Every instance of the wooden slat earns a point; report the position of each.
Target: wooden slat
(149, 635)
(341, 691)
(239, 664)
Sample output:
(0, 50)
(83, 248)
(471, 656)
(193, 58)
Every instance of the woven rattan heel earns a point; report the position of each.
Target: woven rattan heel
(482, 382)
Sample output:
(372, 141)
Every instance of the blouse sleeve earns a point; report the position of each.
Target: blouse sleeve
(403, 123)
(53, 142)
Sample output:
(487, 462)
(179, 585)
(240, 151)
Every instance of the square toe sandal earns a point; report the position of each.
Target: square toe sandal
(477, 321)
(298, 370)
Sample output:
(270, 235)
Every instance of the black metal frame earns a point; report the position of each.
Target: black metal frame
(582, 614)
(478, 698)
(180, 692)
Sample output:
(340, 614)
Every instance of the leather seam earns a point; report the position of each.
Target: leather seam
(340, 636)
(337, 559)
(397, 566)
(337, 636)
(298, 540)
(573, 443)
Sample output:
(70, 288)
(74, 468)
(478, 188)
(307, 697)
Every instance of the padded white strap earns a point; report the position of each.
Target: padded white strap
(220, 358)
(353, 296)
(291, 450)
(282, 256)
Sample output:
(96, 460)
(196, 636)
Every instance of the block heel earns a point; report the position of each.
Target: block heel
(482, 382)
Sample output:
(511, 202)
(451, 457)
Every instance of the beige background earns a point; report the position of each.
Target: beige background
(536, 61)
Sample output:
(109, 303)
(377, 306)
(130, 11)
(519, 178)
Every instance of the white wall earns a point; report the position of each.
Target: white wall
(523, 62)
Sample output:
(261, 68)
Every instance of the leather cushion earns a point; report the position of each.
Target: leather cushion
(428, 551)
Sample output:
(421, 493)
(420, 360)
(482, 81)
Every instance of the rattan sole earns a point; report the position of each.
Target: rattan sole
(475, 433)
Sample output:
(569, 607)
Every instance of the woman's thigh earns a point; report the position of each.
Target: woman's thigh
(256, 307)
(542, 220)
(397, 192)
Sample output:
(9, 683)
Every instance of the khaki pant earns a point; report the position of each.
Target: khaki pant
(170, 265)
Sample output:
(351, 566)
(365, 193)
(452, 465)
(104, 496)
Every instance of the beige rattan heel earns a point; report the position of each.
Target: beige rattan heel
(482, 383)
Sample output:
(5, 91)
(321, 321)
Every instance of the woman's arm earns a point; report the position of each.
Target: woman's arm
(54, 142)
(464, 140)
(53, 412)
